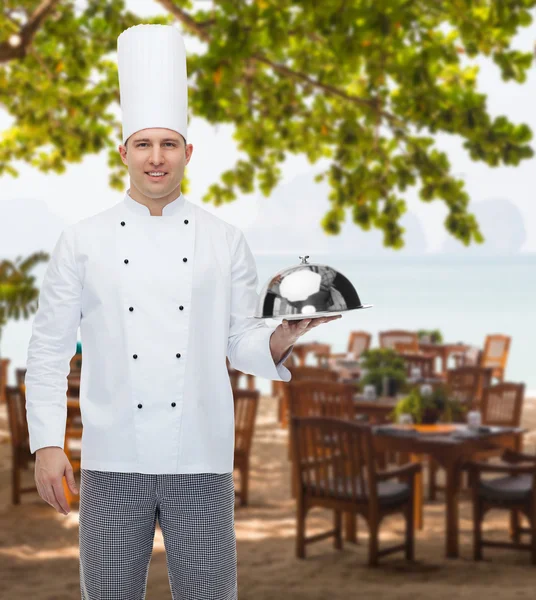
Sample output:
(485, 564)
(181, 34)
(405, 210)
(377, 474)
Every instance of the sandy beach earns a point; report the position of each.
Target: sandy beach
(39, 547)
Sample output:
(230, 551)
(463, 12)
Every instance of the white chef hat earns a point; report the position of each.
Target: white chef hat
(153, 88)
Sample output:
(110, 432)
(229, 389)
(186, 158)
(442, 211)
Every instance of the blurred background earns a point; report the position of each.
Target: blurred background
(392, 141)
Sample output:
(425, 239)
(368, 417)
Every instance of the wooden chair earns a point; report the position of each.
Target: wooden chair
(278, 386)
(358, 342)
(514, 491)
(420, 360)
(235, 376)
(320, 351)
(336, 470)
(301, 374)
(246, 403)
(495, 354)
(466, 384)
(20, 441)
(388, 339)
(20, 374)
(4, 363)
(311, 396)
(502, 405)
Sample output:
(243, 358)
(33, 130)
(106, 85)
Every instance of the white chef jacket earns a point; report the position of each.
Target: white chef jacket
(160, 302)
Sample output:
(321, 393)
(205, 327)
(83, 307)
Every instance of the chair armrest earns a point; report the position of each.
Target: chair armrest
(409, 470)
(337, 355)
(480, 467)
(512, 456)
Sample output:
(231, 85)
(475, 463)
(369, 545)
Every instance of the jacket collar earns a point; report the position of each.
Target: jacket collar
(169, 210)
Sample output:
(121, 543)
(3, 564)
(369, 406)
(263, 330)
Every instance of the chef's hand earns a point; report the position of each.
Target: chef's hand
(51, 464)
(292, 330)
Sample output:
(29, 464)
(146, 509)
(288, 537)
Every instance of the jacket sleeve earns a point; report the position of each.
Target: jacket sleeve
(248, 346)
(52, 345)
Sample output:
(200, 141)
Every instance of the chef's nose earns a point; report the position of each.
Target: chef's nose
(155, 157)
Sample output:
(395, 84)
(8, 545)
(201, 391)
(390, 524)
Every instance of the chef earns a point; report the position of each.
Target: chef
(161, 290)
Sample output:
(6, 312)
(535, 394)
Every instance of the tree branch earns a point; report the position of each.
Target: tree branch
(27, 32)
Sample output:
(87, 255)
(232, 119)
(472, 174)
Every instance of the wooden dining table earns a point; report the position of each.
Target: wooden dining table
(451, 446)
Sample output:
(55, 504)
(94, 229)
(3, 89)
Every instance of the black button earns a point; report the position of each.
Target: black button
(140, 405)
(126, 261)
(184, 259)
(186, 221)
(173, 404)
(123, 223)
(131, 309)
(181, 307)
(134, 356)
(178, 355)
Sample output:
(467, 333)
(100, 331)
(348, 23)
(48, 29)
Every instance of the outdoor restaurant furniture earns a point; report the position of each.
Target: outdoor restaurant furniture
(235, 377)
(336, 470)
(20, 374)
(514, 491)
(301, 374)
(466, 384)
(347, 363)
(501, 405)
(495, 354)
(4, 363)
(443, 352)
(358, 342)
(376, 411)
(388, 339)
(312, 397)
(320, 351)
(451, 446)
(416, 360)
(20, 441)
(246, 403)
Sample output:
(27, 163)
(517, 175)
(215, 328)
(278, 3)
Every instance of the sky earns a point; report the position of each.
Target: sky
(35, 207)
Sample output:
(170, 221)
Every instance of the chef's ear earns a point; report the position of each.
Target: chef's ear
(188, 150)
(123, 153)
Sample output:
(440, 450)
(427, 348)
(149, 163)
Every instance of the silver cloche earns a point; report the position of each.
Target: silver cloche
(305, 291)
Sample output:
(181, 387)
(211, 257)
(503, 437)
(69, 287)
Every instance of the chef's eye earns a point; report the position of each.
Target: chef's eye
(145, 144)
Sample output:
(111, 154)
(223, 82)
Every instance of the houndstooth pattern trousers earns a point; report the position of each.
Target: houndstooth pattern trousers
(118, 513)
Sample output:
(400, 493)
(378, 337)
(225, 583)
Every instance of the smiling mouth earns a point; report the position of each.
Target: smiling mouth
(156, 177)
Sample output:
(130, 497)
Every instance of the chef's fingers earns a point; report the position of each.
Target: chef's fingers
(60, 501)
(46, 491)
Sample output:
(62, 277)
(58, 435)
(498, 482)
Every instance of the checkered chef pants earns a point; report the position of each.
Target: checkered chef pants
(118, 513)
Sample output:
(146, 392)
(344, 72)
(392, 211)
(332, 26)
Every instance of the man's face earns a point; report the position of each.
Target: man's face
(156, 150)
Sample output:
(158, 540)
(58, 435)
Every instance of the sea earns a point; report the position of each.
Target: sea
(465, 298)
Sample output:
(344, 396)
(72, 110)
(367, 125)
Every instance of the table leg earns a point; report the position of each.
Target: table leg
(452, 491)
(418, 514)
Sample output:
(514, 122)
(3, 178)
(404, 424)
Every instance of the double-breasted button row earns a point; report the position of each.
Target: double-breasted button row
(178, 355)
(123, 223)
(126, 260)
(131, 308)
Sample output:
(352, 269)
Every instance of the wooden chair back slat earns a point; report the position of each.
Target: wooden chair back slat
(495, 354)
(502, 404)
(466, 384)
(388, 339)
(359, 342)
(245, 409)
